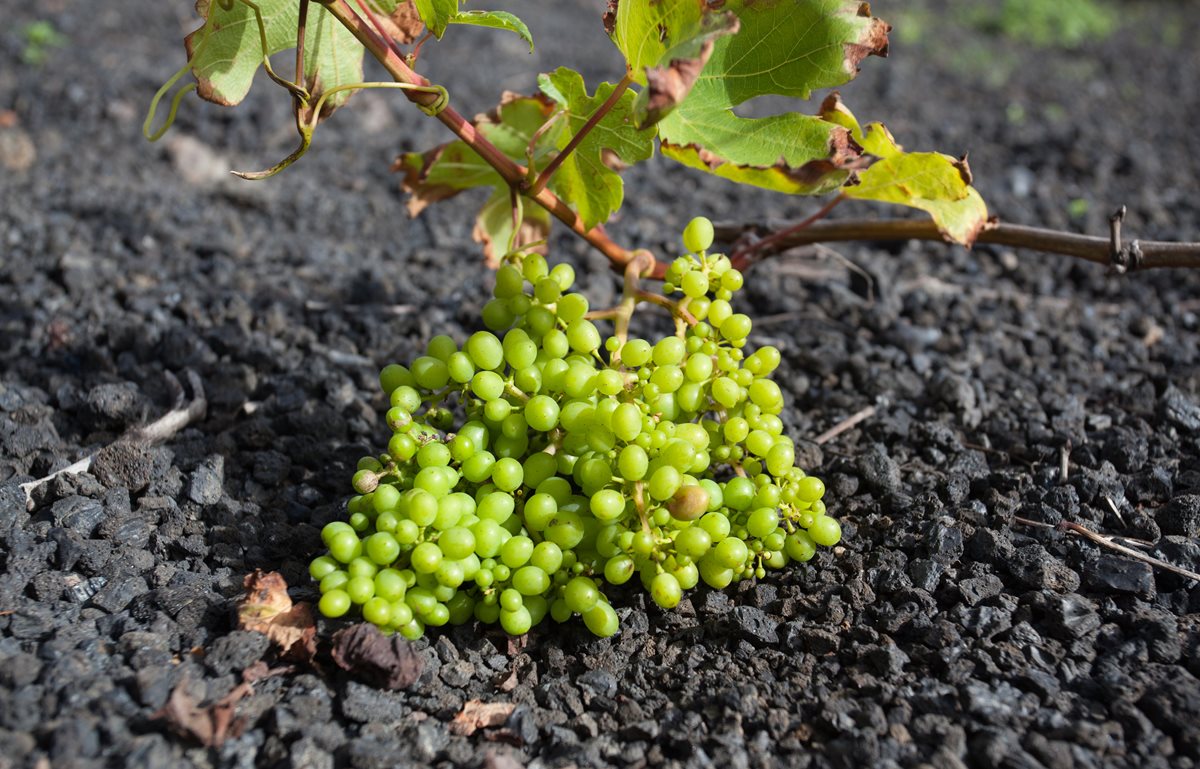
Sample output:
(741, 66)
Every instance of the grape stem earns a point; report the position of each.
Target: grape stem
(516, 392)
(678, 311)
(639, 501)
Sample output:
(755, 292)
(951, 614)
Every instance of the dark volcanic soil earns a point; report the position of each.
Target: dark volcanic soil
(942, 633)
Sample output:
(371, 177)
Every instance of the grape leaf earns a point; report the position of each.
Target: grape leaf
(585, 180)
(449, 169)
(495, 20)
(332, 57)
(666, 45)
(786, 48)
(226, 52)
(437, 14)
(935, 183)
(494, 226)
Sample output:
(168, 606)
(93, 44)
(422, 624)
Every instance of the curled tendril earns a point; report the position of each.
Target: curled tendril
(306, 128)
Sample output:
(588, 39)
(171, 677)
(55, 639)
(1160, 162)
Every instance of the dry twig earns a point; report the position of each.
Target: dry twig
(1109, 541)
(859, 416)
(161, 429)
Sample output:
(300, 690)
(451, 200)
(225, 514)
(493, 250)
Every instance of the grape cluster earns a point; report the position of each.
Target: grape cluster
(580, 462)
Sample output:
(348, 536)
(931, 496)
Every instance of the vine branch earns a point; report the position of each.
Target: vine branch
(1124, 257)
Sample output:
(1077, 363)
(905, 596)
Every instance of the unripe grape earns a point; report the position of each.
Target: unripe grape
(698, 235)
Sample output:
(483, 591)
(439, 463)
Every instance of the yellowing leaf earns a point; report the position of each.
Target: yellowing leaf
(935, 183)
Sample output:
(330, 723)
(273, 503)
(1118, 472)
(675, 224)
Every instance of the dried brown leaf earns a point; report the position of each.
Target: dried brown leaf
(266, 608)
(388, 662)
(210, 726)
(404, 24)
(477, 714)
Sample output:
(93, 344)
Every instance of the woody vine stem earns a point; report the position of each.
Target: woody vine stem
(1123, 257)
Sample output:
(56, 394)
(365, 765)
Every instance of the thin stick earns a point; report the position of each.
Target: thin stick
(584, 130)
(1107, 540)
(157, 431)
(745, 257)
(859, 416)
(1138, 255)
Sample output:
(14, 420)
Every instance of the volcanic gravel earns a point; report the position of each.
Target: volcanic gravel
(942, 632)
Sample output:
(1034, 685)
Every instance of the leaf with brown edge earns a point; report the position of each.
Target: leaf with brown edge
(666, 45)
(477, 714)
(266, 608)
(388, 662)
(783, 48)
(935, 183)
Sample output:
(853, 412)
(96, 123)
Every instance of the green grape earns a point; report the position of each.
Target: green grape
(669, 351)
(516, 551)
(547, 556)
(390, 584)
(507, 474)
(619, 569)
(425, 558)
(516, 622)
(636, 353)
(382, 548)
(572, 307)
(602, 620)
(825, 531)
(763, 522)
(334, 580)
(541, 412)
(664, 483)
(580, 595)
(810, 489)
(698, 235)
(393, 376)
(321, 567)
(334, 604)
(485, 349)
(665, 591)
(694, 542)
(731, 552)
(360, 589)
(607, 505)
(531, 580)
(800, 546)
(509, 282)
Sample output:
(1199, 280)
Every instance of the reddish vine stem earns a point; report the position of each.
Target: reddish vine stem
(379, 30)
(544, 177)
(511, 171)
(301, 24)
(1134, 255)
(745, 256)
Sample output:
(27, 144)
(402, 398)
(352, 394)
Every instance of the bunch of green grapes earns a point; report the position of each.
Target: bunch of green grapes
(580, 462)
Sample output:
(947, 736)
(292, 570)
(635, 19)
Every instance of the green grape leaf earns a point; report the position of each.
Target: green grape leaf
(784, 48)
(437, 14)
(666, 45)
(447, 170)
(232, 49)
(332, 57)
(226, 53)
(586, 180)
(938, 184)
(495, 20)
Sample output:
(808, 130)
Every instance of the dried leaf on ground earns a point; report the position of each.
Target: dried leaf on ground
(266, 608)
(389, 662)
(211, 725)
(477, 714)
